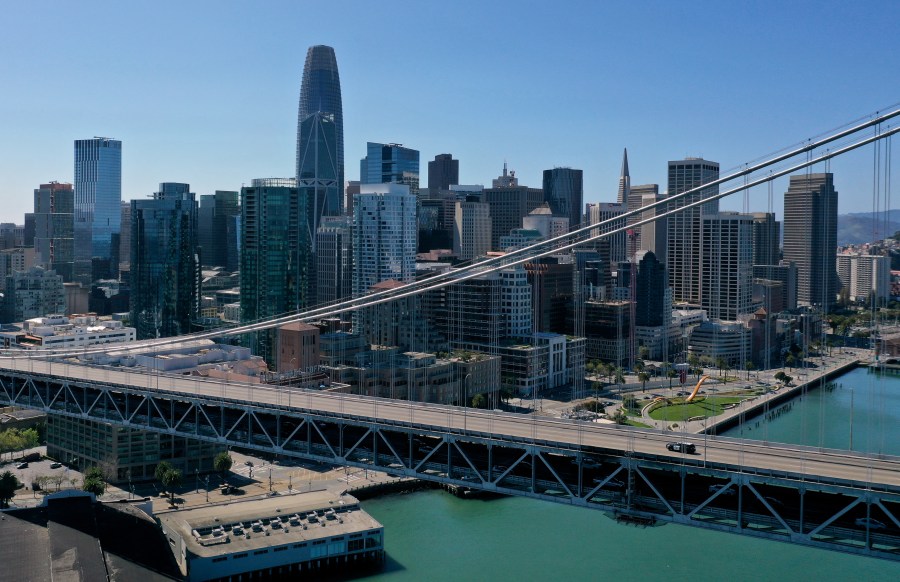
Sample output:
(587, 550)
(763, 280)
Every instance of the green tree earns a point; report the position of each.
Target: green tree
(644, 353)
(671, 373)
(479, 401)
(222, 463)
(789, 361)
(170, 481)
(620, 375)
(160, 472)
(93, 481)
(749, 366)
(694, 363)
(780, 376)
(720, 364)
(642, 378)
(8, 485)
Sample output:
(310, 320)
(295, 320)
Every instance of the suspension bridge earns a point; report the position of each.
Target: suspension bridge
(812, 496)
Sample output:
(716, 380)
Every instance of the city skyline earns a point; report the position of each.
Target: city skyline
(238, 132)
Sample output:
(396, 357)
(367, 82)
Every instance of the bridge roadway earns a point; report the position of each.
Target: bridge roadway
(879, 472)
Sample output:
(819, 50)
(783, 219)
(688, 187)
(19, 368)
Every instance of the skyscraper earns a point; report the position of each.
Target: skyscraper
(390, 163)
(384, 236)
(684, 228)
(810, 236)
(471, 230)
(216, 219)
(334, 259)
(563, 191)
(320, 150)
(443, 172)
(165, 262)
(650, 295)
(320, 134)
(624, 181)
(54, 222)
(98, 197)
(509, 204)
(727, 275)
(273, 265)
(766, 238)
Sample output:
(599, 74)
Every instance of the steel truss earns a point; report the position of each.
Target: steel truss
(640, 488)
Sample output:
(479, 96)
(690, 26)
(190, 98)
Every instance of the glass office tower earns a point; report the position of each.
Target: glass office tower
(98, 198)
(390, 163)
(320, 137)
(165, 262)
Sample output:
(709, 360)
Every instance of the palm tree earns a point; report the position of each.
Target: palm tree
(620, 375)
(642, 378)
(170, 481)
(749, 366)
(694, 363)
(222, 463)
(720, 364)
(8, 485)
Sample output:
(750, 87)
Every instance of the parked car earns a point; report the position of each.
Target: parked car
(22, 466)
(688, 448)
(55, 465)
(869, 523)
(717, 487)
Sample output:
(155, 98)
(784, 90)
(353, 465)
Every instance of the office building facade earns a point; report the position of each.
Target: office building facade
(685, 228)
(165, 263)
(443, 172)
(564, 192)
(54, 228)
(726, 271)
(810, 237)
(390, 163)
(97, 208)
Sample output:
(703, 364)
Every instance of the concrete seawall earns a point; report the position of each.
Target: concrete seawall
(760, 405)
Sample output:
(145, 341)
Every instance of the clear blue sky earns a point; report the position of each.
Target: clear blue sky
(206, 92)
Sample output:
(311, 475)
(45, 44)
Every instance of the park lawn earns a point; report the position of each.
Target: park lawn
(631, 422)
(709, 406)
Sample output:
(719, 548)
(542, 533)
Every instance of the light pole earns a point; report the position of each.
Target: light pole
(465, 389)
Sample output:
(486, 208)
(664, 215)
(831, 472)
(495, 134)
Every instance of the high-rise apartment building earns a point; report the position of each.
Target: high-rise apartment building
(54, 224)
(390, 164)
(726, 272)
(334, 259)
(810, 236)
(98, 199)
(384, 236)
(564, 192)
(217, 227)
(685, 228)
(766, 239)
(865, 277)
(472, 230)
(443, 172)
(165, 263)
(509, 204)
(273, 256)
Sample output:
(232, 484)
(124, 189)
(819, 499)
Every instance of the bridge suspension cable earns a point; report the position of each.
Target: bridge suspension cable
(580, 236)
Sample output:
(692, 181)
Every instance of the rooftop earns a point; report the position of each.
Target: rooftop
(263, 523)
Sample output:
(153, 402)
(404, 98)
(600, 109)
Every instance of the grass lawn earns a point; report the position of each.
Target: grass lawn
(681, 411)
(630, 422)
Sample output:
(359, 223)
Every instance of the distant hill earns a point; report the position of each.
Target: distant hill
(856, 228)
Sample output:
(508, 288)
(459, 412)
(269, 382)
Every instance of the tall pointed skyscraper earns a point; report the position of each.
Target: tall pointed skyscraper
(624, 180)
(320, 147)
